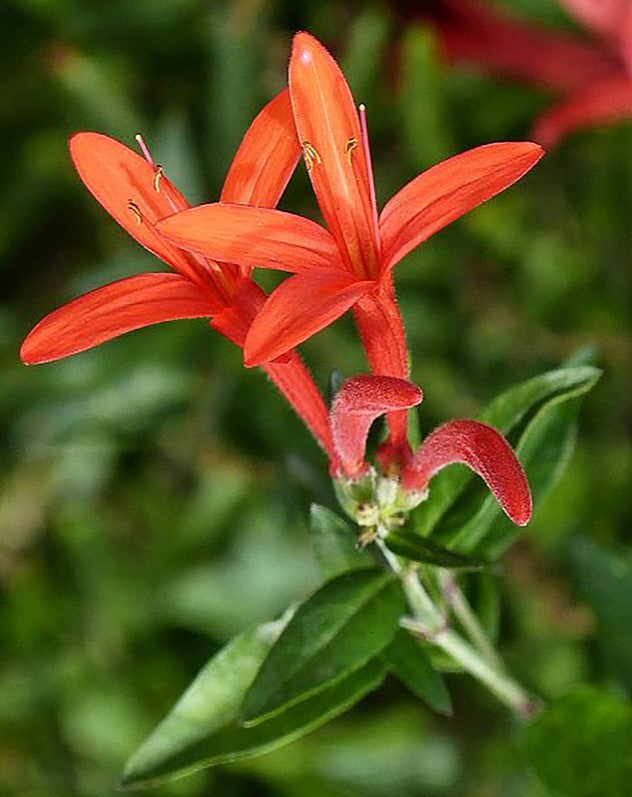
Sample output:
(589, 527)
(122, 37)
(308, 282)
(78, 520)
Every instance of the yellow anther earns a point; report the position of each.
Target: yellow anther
(310, 154)
(350, 146)
(158, 172)
(131, 205)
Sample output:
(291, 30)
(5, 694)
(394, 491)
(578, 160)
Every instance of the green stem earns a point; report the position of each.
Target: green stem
(430, 624)
(466, 616)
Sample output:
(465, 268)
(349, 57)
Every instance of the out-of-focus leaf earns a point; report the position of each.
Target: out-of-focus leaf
(407, 660)
(422, 101)
(234, 33)
(335, 544)
(419, 549)
(335, 632)
(580, 745)
(605, 579)
(201, 730)
(368, 35)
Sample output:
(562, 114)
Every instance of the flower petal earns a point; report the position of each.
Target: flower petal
(266, 157)
(252, 237)
(599, 103)
(360, 400)
(301, 306)
(111, 311)
(329, 131)
(117, 176)
(482, 449)
(448, 190)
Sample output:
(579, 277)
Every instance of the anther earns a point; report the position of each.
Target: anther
(310, 154)
(131, 205)
(159, 171)
(349, 147)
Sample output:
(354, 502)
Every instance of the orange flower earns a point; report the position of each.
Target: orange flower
(349, 264)
(135, 191)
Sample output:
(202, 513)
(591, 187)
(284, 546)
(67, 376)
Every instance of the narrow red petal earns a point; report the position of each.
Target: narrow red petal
(133, 191)
(448, 190)
(329, 130)
(381, 330)
(360, 401)
(506, 46)
(301, 306)
(266, 157)
(482, 449)
(111, 311)
(252, 237)
(599, 103)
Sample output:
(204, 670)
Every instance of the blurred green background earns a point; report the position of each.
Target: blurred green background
(154, 494)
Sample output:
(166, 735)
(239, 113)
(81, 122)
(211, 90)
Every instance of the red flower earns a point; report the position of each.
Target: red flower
(349, 264)
(593, 74)
(362, 399)
(137, 194)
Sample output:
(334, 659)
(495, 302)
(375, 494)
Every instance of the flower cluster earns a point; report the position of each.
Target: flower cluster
(592, 74)
(345, 265)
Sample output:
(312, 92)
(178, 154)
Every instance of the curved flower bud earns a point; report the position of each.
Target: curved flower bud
(482, 449)
(361, 400)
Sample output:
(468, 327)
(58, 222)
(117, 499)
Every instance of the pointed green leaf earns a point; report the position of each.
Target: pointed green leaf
(509, 413)
(420, 549)
(335, 544)
(202, 729)
(407, 659)
(336, 631)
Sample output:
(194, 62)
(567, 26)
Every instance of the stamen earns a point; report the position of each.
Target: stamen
(310, 154)
(131, 205)
(350, 146)
(369, 168)
(141, 143)
(157, 175)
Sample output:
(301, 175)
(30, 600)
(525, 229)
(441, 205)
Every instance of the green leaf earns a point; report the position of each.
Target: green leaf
(605, 579)
(420, 549)
(202, 728)
(336, 631)
(335, 543)
(580, 745)
(407, 659)
(528, 414)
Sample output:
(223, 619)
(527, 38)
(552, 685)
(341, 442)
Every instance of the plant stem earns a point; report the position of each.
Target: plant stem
(466, 616)
(430, 623)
